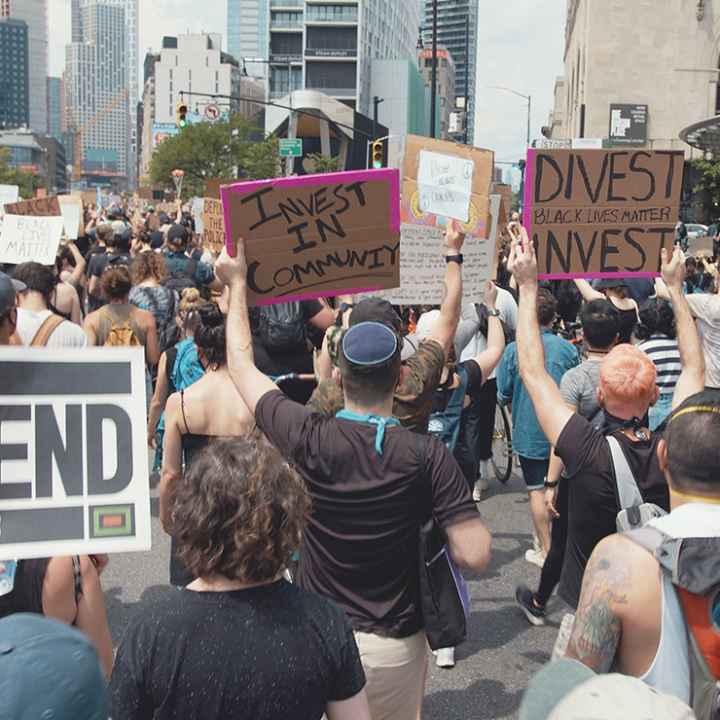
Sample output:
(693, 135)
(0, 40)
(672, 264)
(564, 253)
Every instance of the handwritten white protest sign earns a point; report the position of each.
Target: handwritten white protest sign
(71, 209)
(28, 238)
(445, 184)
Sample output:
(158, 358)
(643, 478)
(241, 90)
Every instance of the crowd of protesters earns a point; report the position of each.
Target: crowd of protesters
(303, 448)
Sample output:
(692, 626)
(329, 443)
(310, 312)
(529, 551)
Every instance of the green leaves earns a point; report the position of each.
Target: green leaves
(9, 175)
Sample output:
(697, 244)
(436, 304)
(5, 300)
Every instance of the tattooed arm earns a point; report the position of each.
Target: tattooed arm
(597, 630)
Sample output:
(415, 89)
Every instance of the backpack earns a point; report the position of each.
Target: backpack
(121, 334)
(445, 424)
(281, 327)
(693, 566)
(180, 279)
(634, 511)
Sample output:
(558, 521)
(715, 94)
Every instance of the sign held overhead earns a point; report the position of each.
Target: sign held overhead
(602, 213)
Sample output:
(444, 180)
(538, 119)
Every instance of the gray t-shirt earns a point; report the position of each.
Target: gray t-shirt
(578, 388)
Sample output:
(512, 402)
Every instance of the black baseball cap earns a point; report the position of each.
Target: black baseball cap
(177, 235)
(8, 291)
(156, 240)
(375, 309)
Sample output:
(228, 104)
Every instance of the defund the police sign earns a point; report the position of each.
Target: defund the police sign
(73, 460)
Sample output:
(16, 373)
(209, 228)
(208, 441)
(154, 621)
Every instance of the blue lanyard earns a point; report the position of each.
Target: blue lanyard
(380, 422)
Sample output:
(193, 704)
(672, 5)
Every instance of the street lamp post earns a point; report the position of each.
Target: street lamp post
(528, 98)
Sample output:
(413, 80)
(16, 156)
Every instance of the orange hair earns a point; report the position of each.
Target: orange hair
(627, 375)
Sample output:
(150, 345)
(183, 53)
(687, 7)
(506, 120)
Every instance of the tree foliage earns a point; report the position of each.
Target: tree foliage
(207, 151)
(708, 186)
(324, 163)
(9, 175)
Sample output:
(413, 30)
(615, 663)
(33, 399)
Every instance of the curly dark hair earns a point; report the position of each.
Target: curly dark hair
(656, 316)
(210, 334)
(240, 511)
(148, 265)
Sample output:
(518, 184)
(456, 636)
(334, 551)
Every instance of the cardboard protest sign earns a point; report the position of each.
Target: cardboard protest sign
(73, 455)
(72, 214)
(213, 223)
(89, 197)
(602, 213)
(39, 207)
(8, 194)
(25, 238)
(422, 269)
(318, 234)
(422, 263)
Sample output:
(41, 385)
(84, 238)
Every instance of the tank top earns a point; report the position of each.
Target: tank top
(192, 445)
(670, 669)
(628, 320)
(26, 595)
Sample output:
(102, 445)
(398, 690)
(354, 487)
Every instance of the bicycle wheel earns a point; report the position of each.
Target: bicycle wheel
(502, 454)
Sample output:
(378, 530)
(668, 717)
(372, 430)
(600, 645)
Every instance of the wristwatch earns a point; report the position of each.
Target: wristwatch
(493, 313)
(550, 485)
(454, 258)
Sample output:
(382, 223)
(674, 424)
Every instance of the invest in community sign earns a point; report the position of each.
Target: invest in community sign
(73, 461)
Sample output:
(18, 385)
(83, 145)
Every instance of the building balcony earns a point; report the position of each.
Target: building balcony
(287, 4)
(288, 24)
(331, 53)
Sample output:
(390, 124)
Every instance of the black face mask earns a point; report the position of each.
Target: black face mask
(613, 424)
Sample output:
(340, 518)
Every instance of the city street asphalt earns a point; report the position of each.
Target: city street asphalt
(493, 666)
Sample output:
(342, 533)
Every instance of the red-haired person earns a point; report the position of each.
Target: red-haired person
(627, 390)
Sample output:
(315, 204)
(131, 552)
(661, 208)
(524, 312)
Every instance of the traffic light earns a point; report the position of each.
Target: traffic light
(378, 154)
(181, 111)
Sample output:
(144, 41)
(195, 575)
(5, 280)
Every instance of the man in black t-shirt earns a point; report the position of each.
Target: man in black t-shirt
(372, 484)
(118, 253)
(627, 389)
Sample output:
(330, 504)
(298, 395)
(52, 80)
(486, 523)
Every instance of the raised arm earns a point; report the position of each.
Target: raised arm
(249, 381)
(490, 357)
(551, 411)
(692, 377)
(587, 291)
(446, 325)
(78, 274)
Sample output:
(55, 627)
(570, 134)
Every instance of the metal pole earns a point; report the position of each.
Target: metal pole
(582, 120)
(433, 79)
(528, 121)
(467, 76)
(376, 103)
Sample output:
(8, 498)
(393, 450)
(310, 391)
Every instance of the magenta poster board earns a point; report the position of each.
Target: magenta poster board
(601, 213)
(317, 235)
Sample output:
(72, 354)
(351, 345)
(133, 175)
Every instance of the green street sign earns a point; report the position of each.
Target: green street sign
(291, 148)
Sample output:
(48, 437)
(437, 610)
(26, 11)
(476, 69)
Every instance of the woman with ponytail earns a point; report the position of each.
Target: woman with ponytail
(210, 408)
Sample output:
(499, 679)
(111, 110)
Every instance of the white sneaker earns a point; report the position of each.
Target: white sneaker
(478, 491)
(445, 657)
(536, 557)
(486, 472)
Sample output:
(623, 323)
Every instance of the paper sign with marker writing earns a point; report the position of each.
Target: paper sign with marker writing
(445, 185)
(26, 238)
(198, 208)
(318, 234)
(8, 194)
(422, 270)
(72, 211)
(602, 213)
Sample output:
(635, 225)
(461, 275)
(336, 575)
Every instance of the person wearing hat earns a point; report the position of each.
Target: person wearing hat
(617, 292)
(117, 253)
(567, 690)
(9, 289)
(421, 371)
(183, 271)
(372, 484)
(49, 670)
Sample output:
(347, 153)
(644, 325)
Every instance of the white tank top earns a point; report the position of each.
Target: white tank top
(670, 670)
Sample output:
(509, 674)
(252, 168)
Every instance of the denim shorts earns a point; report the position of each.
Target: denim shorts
(534, 472)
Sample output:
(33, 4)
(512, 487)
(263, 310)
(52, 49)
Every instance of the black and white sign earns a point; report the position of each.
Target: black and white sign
(628, 124)
(73, 455)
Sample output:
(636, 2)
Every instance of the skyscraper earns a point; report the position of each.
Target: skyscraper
(454, 17)
(97, 91)
(54, 109)
(34, 13)
(14, 93)
(247, 37)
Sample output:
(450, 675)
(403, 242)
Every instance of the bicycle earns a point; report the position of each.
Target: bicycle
(502, 451)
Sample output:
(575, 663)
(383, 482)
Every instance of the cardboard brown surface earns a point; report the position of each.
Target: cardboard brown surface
(39, 207)
(602, 213)
(318, 234)
(213, 238)
(212, 188)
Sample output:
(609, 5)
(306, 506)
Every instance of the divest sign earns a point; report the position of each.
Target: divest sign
(602, 213)
(73, 461)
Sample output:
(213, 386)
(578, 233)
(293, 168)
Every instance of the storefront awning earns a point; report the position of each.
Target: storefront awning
(704, 136)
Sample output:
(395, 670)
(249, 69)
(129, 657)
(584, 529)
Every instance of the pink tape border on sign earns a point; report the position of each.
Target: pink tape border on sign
(527, 222)
(390, 175)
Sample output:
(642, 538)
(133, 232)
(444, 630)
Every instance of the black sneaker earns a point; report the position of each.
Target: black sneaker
(526, 600)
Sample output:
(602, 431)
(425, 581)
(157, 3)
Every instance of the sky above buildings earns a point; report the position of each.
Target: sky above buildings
(520, 46)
